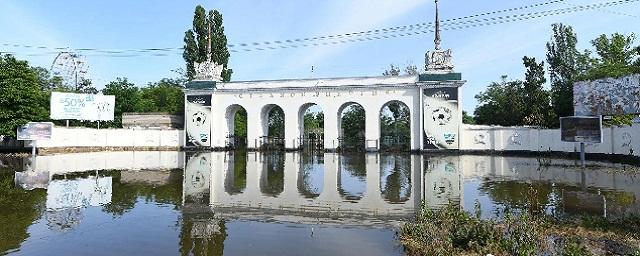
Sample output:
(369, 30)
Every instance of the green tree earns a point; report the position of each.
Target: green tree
(537, 111)
(127, 99)
(353, 127)
(207, 33)
(467, 119)
(394, 70)
(21, 97)
(503, 103)
(240, 124)
(276, 123)
(162, 96)
(566, 63)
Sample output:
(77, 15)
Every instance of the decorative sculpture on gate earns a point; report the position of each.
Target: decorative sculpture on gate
(438, 61)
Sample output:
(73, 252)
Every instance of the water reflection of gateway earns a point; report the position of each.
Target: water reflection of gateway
(309, 188)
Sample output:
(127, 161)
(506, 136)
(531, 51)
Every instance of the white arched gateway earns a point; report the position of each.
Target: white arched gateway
(432, 100)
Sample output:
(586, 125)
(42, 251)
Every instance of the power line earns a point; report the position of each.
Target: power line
(328, 37)
(400, 31)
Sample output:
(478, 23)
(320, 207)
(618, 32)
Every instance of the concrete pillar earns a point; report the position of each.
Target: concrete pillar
(254, 127)
(372, 127)
(331, 127)
(291, 128)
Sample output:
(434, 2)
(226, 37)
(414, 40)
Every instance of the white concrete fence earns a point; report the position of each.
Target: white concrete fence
(616, 140)
(62, 137)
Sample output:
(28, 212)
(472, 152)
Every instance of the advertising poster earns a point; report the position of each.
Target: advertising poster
(80, 106)
(581, 129)
(198, 120)
(441, 118)
(35, 131)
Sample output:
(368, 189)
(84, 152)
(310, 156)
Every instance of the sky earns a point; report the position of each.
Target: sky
(482, 54)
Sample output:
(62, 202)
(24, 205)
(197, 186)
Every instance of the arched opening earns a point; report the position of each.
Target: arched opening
(395, 177)
(236, 177)
(351, 124)
(272, 127)
(352, 176)
(395, 126)
(311, 120)
(272, 178)
(311, 176)
(236, 117)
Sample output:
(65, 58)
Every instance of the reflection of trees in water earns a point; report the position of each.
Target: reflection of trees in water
(272, 180)
(395, 178)
(125, 195)
(533, 196)
(353, 168)
(202, 236)
(236, 176)
(18, 210)
(311, 164)
(63, 219)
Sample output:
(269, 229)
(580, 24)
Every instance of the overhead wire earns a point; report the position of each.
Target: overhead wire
(377, 34)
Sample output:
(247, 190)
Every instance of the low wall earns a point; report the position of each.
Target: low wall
(616, 140)
(87, 139)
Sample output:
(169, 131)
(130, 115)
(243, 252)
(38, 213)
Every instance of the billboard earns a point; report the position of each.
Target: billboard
(198, 120)
(581, 129)
(441, 118)
(609, 96)
(79, 106)
(35, 131)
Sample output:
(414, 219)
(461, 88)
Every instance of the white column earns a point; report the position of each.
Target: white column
(372, 127)
(291, 128)
(419, 117)
(254, 127)
(331, 127)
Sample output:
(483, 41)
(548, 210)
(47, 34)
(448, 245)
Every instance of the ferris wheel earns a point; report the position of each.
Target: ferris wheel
(70, 67)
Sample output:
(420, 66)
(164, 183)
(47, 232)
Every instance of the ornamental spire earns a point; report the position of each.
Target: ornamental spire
(437, 40)
(438, 60)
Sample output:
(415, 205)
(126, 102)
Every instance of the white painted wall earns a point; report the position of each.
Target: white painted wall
(63, 137)
(616, 140)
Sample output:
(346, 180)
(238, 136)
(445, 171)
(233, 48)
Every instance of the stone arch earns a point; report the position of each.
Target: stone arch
(273, 130)
(316, 136)
(358, 137)
(230, 118)
(394, 122)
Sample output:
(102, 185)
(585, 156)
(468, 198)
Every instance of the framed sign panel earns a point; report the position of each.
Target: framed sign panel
(581, 129)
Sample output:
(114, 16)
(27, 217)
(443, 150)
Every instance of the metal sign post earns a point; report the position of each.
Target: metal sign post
(582, 155)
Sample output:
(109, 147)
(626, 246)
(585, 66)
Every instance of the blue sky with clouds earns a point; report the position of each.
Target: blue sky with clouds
(482, 54)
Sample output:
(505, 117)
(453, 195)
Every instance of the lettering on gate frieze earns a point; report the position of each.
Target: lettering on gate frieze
(317, 94)
(282, 95)
(328, 94)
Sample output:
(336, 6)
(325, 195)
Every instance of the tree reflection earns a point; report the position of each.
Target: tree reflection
(236, 176)
(125, 195)
(18, 210)
(310, 179)
(395, 179)
(272, 179)
(352, 178)
(204, 236)
(533, 196)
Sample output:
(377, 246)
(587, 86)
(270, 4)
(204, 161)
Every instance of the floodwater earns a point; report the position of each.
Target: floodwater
(239, 203)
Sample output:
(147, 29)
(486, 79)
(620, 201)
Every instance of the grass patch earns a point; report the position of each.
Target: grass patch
(453, 231)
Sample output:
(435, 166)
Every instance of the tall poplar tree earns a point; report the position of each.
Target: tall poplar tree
(207, 31)
(566, 64)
